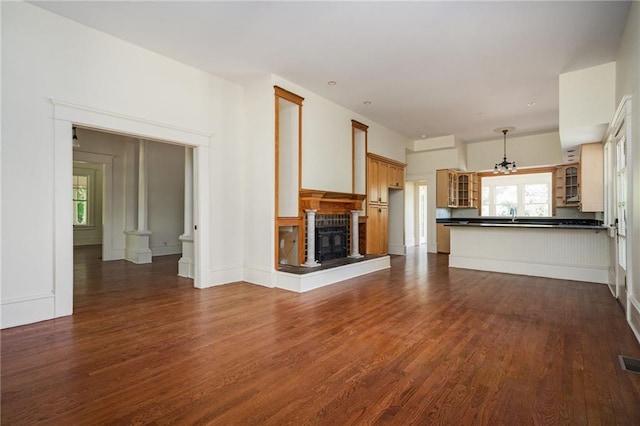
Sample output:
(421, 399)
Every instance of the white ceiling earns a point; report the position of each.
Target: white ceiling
(428, 68)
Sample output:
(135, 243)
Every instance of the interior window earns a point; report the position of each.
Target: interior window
(80, 200)
(520, 194)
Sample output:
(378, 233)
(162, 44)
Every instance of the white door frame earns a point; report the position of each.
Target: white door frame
(620, 128)
(422, 215)
(65, 115)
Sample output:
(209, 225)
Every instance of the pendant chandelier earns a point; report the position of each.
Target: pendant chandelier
(505, 166)
(75, 142)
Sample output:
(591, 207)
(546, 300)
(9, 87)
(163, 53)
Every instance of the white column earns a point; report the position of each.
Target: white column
(137, 242)
(186, 262)
(311, 239)
(142, 187)
(354, 235)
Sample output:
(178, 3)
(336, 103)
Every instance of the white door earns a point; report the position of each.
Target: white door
(610, 212)
(616, 210)
(621, 215)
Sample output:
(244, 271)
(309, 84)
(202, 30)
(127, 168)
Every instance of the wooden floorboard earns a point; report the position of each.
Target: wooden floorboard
(416, 344)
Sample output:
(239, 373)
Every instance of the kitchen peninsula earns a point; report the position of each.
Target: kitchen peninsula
(544, 247)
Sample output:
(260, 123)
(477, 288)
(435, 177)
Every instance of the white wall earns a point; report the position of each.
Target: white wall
(384, 142)
(627, 83)
(46, 57)
(327, 141)
(410, 222)
(259, 183)
(527, 151)
(396, 222)
(165, 193)
(421, 165)
(587, 103)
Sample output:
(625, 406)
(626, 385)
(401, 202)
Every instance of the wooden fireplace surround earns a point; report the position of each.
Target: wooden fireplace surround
(327, 202)
(324, 202)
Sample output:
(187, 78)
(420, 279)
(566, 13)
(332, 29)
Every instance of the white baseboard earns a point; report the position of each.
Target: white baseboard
(410, 242)
(27, 310)
(563, 272)
(259, 276)
(225, 275)
(633, 317)
(87, 241)
(397, 249)
(166, 250)
(116, 254)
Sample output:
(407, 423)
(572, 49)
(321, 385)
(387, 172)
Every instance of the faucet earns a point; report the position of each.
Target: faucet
(513, 210)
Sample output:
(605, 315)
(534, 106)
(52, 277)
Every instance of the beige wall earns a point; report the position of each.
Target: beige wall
(527, 151)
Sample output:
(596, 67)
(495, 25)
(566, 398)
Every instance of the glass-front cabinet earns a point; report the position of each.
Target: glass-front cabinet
(456, 189)
(567, 185)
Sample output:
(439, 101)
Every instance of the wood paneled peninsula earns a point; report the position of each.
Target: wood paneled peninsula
(574, 249)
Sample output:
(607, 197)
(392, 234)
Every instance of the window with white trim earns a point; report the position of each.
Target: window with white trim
(520, 194)
(81, 200)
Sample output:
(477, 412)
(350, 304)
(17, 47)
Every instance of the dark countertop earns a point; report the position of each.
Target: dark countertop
(524, 222)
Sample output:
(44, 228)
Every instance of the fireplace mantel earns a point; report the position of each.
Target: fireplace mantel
(327, 202)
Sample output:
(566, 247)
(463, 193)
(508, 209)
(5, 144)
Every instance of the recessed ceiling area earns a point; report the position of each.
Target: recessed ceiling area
(419, 68)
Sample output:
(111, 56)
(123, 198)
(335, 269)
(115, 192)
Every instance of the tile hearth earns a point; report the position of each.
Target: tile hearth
(329, 264)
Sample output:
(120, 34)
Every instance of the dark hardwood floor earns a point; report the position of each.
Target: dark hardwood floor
(416, 344)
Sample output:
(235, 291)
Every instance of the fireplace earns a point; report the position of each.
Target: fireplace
(328, 218)
(331, 242)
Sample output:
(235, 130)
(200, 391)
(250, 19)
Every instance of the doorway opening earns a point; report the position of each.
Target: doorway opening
(102, 159)
(423, 213)
(65, 116)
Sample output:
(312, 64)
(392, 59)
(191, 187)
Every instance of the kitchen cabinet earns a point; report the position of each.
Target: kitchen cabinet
(456, 189)
(377, 181)
(582, 184)
(443, 238)
(377, 229)
(383, 174)
(591, 177)
(567, 186)
(396, 177)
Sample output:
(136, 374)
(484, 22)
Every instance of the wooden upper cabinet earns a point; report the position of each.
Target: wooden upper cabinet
(373, 181)
(567, 185)
(456, 189)
(467, 190)
(396, 177)
(442, 188)
(383, 174)
(383, 182)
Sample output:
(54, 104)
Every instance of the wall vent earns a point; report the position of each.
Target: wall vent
(629, 364)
